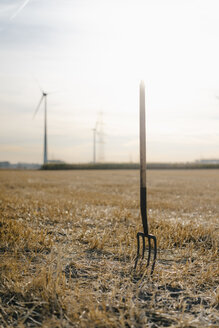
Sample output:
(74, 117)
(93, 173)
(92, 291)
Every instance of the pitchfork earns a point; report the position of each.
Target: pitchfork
(143, 190)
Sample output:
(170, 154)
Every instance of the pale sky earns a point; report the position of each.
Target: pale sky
(94, 53)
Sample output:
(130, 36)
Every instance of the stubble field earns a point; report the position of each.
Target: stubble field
(68, 244)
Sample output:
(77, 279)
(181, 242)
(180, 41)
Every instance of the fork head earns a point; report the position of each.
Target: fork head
(143, 236)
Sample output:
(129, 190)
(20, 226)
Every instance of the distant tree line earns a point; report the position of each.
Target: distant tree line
(127, 166)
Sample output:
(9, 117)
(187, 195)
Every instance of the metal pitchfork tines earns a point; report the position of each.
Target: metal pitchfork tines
(143, 190)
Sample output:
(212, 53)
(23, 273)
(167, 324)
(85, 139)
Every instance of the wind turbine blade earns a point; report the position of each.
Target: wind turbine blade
(37, 82)
(38, 106)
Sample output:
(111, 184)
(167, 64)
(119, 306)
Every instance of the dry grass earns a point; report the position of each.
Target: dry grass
(68, 242)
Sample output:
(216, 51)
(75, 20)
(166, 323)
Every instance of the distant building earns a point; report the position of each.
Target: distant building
(207, 161)
(55, 161)
(26, 166)
(4, 165)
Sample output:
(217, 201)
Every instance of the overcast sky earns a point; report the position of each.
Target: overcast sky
(94, 54)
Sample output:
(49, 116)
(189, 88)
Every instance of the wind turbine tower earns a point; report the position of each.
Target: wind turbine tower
(45, 158)
(94, 142)
(101, 135)
(44, 97)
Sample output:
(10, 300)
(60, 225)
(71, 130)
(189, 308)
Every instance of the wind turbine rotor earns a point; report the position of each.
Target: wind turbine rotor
(38, 106)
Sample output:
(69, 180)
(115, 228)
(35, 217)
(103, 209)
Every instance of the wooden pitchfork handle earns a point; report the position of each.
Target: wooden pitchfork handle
(143, 189)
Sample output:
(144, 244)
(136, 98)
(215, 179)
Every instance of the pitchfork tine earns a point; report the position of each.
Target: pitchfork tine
(139, 234)
(149, 237)
(149, 251)
(155, 253)
(143, 190)
(138, 249)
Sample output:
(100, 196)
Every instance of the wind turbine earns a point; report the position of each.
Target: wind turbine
(101, 135)
(94, 142)
(43, 97)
